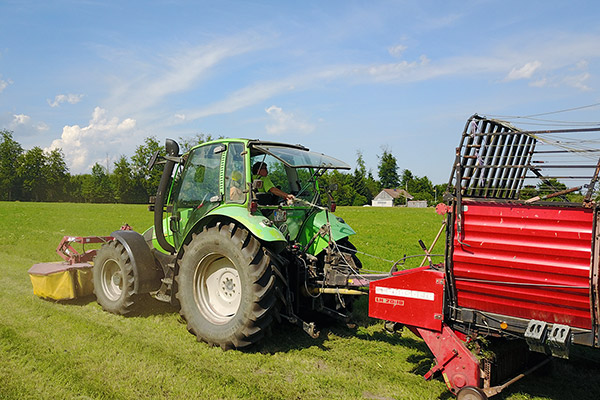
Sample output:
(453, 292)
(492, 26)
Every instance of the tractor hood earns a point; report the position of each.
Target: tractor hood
(339, 230)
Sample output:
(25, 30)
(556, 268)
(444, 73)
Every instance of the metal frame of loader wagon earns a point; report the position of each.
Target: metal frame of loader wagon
(494, 162)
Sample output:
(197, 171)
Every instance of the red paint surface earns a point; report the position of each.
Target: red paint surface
(454, 360)
(525, 244)
(392, 304)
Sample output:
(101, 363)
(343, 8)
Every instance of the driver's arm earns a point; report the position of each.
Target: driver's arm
(278, 192)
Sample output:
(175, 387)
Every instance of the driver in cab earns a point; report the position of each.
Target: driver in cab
(260, 172)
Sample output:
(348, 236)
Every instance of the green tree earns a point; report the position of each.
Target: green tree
(145, 181)
(439, 192)
(388, 170)
(123, 182)
(102, 191)
(56, 174)
(373, 185)
(363, 195)
(88, 188)
(407, 180)
(75, 186)
(420, 188)
(30, 172)
(10, 151)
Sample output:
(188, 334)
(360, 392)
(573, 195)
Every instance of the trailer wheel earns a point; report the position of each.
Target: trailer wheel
(113, 279)
(471, 393)
(226, 287)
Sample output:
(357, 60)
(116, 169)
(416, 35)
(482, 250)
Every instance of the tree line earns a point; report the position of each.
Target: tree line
(36, 175)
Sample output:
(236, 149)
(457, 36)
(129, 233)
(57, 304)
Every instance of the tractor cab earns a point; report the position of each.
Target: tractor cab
(219, 179)
(292, 170)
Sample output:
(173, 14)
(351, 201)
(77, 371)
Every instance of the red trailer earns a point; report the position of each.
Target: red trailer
(521, 261)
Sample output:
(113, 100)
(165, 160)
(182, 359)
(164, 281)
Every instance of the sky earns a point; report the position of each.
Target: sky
(95, 78)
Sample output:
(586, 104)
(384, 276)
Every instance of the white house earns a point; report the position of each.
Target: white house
(386, 197)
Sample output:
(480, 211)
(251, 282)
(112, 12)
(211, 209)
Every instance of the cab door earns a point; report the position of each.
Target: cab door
(199, 189)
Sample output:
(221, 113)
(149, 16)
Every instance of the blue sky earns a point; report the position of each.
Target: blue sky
(97, 77)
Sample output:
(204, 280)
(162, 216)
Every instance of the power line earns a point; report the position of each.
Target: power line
(561, 111)
(532, 116)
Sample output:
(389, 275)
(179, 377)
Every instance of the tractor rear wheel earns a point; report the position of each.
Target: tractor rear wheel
(226, 287)
(113, 279)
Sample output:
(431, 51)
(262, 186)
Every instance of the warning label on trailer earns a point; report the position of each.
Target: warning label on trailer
(411, 294)
(393, 302)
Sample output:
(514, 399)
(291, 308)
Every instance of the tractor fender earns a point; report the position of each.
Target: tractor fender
(258, 225)
(145, 272)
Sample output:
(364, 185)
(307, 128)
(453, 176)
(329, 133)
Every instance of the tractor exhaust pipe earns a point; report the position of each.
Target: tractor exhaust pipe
(172, 149)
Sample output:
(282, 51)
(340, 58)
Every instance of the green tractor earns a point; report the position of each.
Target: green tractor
(229, 253)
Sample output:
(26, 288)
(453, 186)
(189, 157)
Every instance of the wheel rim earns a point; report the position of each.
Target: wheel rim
(112, 279)
(471, 393)
(217, 288)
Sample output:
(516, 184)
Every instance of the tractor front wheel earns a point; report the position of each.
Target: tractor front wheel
(114, 279)
(226, 287)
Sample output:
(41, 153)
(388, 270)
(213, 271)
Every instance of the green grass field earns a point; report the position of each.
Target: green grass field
(74, 350)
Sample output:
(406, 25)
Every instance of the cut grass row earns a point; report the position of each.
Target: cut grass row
(74, 350)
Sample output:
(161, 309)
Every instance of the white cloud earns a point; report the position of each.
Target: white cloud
(175, 73)
(575, 81)
(401, 71)
(555, 57)
(4, 84)
(41, 127)
(578, 81)
(21, 119)
(525, 72)
(583, 64)
(397, 51)
(243, 98)
(539, 83)
(23, 124)
(65, 98)
(85, 146)
(285, 121)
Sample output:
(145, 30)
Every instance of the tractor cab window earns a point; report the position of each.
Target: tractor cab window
(296, 181)
(200, 181)
(235, 174)
(199, 190)
(294, 169)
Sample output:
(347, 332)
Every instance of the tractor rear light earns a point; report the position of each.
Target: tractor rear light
(253, 206)
(332, 207)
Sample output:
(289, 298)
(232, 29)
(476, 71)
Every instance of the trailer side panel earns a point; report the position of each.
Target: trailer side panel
(525, 261)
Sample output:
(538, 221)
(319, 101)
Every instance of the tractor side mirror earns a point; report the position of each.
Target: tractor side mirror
(219, 149)
(172, 147)
(333, 187)
(152, 161)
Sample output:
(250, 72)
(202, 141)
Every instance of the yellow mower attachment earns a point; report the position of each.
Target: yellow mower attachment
(61, 281)
(68, 279)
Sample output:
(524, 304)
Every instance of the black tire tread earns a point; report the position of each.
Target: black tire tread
(260, 312)
(128, 300)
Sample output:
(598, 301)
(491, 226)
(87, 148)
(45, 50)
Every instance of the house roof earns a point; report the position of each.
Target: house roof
(395, 193)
